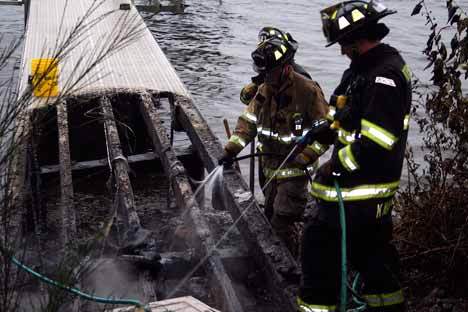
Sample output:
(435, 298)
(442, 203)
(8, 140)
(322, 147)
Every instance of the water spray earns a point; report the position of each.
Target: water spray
(231, 228)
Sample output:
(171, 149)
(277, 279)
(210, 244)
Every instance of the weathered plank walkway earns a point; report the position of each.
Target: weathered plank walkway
(88, 28)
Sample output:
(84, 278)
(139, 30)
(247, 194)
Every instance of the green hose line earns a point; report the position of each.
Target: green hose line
(344, 270)
(77, 291)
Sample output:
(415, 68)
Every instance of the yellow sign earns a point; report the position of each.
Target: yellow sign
(45, 74)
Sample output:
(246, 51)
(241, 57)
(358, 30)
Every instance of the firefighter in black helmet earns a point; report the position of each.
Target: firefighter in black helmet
(248, 91)
(369, 132)
(283, 109)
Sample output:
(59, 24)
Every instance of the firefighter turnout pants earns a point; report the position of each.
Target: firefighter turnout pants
(285, 202)
(369, 251)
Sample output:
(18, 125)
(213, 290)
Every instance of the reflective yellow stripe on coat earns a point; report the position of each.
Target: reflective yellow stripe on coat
(347, 159)
(237, 140)
(288, 172)
(361, 192)
(317, 148)
(377, 134)
(306, 307)
(383, 300)
(249, 117)
(346, 137)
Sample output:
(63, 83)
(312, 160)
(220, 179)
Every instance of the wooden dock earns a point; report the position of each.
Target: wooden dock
(137, 64)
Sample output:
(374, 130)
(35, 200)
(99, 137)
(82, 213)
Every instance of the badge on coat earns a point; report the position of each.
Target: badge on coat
(297, 124)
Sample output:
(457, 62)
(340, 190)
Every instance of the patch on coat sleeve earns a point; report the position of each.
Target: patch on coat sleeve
(385, 81)
(260, 98)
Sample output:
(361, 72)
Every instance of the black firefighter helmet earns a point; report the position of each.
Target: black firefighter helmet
(272, 53)
(355, 19)
(272, 32)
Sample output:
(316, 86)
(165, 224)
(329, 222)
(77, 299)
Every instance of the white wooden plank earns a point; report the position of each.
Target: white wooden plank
(140, 66)
(182, 304)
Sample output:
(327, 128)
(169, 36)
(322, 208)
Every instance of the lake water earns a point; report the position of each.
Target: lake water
(210, 46)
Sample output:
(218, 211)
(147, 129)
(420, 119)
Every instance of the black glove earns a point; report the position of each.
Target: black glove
(343, 115)
(319, 129)
(327, 172)
(226, 160)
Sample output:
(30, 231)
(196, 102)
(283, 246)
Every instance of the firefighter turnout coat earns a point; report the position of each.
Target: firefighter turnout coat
(370, 145)
(279, 116)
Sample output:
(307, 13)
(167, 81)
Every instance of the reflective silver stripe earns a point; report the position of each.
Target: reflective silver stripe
(346, 137)
(383, 300)
(284, 173)
(237, 140)
(270, 134)
(361, 192)
(331, 113)
(266, 132)
(305, 307)
(406, 122)
(287, 138)
(347, 159)
(377, 134)
(249, 117)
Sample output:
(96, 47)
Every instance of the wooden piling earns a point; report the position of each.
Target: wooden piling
(67, 209)
(124, 198)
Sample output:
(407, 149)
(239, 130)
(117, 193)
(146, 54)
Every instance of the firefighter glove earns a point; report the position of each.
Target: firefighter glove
(320, 128)
(327, 172)
(248, 92)
(343, 115)
(302, 159)
(226, 160)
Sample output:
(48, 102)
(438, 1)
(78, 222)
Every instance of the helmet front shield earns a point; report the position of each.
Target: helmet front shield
(344, 19)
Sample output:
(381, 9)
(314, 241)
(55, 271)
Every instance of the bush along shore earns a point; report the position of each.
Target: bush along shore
(432, 228)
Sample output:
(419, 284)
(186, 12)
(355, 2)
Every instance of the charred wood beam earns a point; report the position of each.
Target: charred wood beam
(67, 210)
(184, 198)
(268, 251)
(124, 193)
(82, 165)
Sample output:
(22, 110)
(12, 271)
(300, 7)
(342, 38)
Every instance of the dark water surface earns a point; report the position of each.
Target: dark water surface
(210, 46)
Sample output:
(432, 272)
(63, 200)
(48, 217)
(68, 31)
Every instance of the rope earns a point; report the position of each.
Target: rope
(78, 292)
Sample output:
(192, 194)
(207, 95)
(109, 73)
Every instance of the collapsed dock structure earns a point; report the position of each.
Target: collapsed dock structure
(97, 160)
